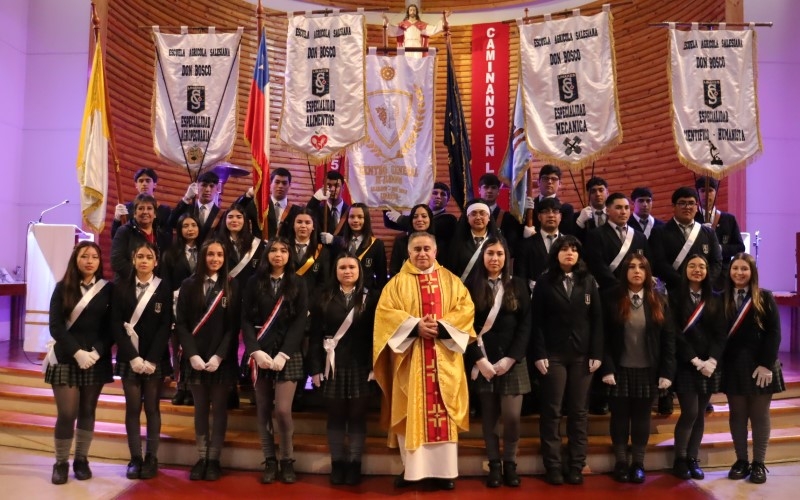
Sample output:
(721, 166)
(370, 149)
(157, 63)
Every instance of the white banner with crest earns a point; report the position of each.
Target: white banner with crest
(569, 89)
(714, 99)
(195, 96)
(394, 165)
(323, 98)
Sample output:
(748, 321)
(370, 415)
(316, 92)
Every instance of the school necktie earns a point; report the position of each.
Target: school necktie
(209, 288)
(695, 298)
(278, 212)
(568, 282)
(478, 240)
(140, 289)
(276, 283)
(599, 218)
(739, 298)
(334, 218)
(85, 288)
(636, 301)
(687, 229)
(644, 223)
(622, 232)
(353, 245)
(548, 241)
(300, 248)
(192, 258)
(203, 214)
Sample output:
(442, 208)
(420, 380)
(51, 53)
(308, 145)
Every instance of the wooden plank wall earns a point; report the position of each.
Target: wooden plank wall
(646, 156)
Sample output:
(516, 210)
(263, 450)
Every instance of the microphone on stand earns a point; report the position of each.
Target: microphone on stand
(51, 208)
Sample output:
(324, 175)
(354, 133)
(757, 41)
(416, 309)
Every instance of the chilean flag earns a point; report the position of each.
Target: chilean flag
(257, 130)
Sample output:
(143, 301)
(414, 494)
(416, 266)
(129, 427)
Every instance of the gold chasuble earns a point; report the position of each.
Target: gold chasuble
(423, 381)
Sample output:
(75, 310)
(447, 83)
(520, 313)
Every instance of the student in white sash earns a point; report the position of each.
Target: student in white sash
(141, 315)
(207, 320)
(642, 219)
(752, 372)
(639, 361)
(80, 360)
(700, 340)
(496, 362)
(274, 311)
(340, 359)
(421, 219)
(471, 231)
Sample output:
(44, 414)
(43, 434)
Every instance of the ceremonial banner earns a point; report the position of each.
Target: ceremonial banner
(459, 152)
(256, 130)
(194, 103)
(394, 165)
(323, 99)
(714, 99)
(516, 161)
(569, 89)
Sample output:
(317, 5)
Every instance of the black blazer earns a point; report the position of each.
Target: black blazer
(124, 244)
(251, 214)
(316, 277)
(531, 260)
(666, 243)
(758, 345)
(564, 325)
(603, 245)
(322, 214)
(660, 340)
(634, 223)
(567, 225)
(510, 332)
(355, 347)
(153, 327)
(373, 263)
(286, 333)
(509, 228)
(728, 234)
(175, 267)
(704, 340)
(90, 331)
(444, 225)
(215, 336)
(248, 270)
(161, 222)
(192, 208)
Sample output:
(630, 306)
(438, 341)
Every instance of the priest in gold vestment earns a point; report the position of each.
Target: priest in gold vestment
(423, 324)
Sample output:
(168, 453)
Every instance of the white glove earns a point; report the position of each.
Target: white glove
(137, 365)
(708, 224)
(609, 379)
(326, 238)
(120, 211)
(585, 216)
(393, 215)
(594, 364)
(279, 361)
(149, 368)
(321, 194)
(542, 365)
(708, 367)
(84, 359)
(316, 379)
(213, 363)
(528, 231)
(486, 368)
(95, 355)
(529, 205)
(762, 375)
(250, 192)
(504, 365)
(191, 193)
(664, 383)
(262, 359)
(371, 376)
(697, 363)
(197, 363)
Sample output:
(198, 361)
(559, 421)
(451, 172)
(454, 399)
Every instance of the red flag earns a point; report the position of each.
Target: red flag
(256, 131)
(338, 163)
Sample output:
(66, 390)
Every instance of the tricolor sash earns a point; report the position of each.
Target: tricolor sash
(740, 317)
(695, 316)
(137, 313)
(268, 323)
(245, 258)
(622, 251)
(687, 245)
(208, 313)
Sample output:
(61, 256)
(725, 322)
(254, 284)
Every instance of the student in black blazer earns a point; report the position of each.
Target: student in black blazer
(312, 261)
(639, 360)
(752, 371)
(567, 344)
(723, 223)
(531, 260)
(420, 219)
(641, 219)
(275, 300)
(80, 361)
(444, 222)
(594, 214)
(329, 207)
(281, 211)
(207, 320)
(358, 239)
(345, 379)
(140, 361)
(496, 362)
(200, 201)
(507, 225)
(472, 229)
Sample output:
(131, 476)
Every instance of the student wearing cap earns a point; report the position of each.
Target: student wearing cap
(642, 220)
(723, 223)
(146, 180)
(201, 201)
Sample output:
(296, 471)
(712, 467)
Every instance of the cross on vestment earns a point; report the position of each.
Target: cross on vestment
(438, 415)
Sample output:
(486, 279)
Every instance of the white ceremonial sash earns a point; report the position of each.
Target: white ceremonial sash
(472, 261)
(137, 313)
(569, 88)
(245, 258)
(49, 358)
(687, 245)
(81, 305)
(195, 96)
(489, 323)
(323, 100)
(714, 99)
(623, 250)
(330, 344)
(395, 164)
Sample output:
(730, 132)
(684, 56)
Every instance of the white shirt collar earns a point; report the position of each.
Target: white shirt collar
(148, 282)
(616, 227)
(640, 293)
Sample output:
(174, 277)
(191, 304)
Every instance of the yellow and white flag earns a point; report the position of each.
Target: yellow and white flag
(93, 148)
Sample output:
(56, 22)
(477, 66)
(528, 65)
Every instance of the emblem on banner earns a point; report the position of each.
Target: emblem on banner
(568, 87)
(195, 98)
(319, 141)
(387, 73)
(712, 93)
(396, 119)
(572, 145)
(194, 155)
(320, 82)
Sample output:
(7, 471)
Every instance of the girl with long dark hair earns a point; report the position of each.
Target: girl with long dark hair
(359, 240)
(421, 218)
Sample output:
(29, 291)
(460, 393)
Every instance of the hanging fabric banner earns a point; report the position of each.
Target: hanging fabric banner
(394, 165)
(714, 99)
(569, 88)
(195, 97)
(323, 99)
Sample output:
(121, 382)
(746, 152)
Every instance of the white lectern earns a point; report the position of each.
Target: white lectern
(48, 249)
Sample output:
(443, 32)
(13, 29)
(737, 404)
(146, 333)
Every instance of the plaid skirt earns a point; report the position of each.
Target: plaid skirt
(69, 374)
(349, 382)
(123, 370)
(513, 383)
(739, 381)
(293, 370)
(634, 383)
(690, 381)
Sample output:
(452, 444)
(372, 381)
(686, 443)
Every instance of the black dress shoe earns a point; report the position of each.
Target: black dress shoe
(636, 474)
(510, 477)
(739, 470)
(620, 473)
(180, 397)
(338, 472)
(598, 410)
(134, 469)
(400, 481)
(666, 405)
(213, 471)
(60, 472)
(353, 475)
(495, 477)
(694, 468)
(270, 471)
(188, 400)
(574, 476)
(680, 468)
(149, 467)
(554, 476)
(288, 475)
(198, 471)
(445, 484)
(80, 467)
(709, 408)
(758, 473)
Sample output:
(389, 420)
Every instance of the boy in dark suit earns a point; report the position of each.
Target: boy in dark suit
(201, 201)
(641, 220)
